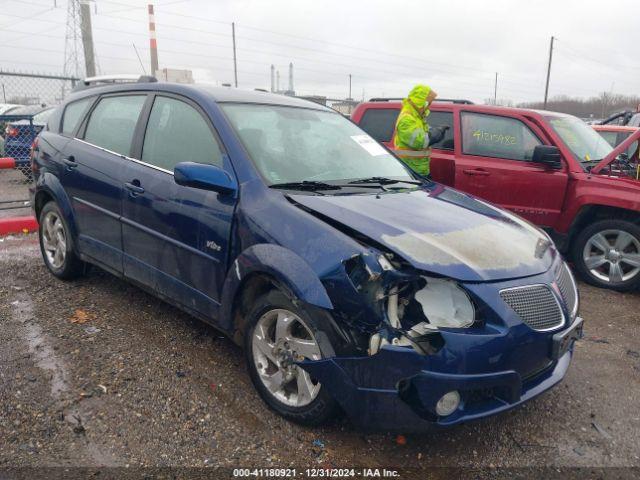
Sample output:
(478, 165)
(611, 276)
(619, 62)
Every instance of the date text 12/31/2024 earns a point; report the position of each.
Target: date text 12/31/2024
(315, 473)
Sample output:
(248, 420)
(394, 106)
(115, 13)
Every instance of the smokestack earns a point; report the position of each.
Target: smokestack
(291, 78)
(153, 44)
(278, 81)
(87, 39)
(273, 79)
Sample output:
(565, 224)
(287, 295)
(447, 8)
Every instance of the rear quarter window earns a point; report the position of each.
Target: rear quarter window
(73, 113)
(380, 123)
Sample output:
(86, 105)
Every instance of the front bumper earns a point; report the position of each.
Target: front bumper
(397, 389)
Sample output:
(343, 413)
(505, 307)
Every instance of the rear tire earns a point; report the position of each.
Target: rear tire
(277, 332)
(606, 254)
(56, 244)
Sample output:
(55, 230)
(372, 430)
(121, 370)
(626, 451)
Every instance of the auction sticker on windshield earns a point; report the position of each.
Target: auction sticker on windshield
(369, 144)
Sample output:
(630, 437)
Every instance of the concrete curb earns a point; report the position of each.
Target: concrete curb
(18, 225)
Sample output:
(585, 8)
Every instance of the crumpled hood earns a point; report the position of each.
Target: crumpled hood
(622, 147)
(443, 231)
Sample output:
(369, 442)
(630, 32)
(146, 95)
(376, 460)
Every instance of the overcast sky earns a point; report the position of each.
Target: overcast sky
(453, 45)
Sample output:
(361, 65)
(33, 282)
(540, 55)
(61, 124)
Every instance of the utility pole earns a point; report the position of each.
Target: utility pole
(87, 38)
(235, 63)
(349, 87)
(546, 88)
(495, 91)
(153, 42)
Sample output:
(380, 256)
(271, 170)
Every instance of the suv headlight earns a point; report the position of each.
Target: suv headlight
(445, 304)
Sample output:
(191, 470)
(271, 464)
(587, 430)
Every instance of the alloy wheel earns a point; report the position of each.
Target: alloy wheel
(612, 256)
(280, 339)
(54, 240)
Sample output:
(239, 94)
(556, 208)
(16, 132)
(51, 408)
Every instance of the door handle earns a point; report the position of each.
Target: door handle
(476, 172)
(134, 188)
(70, 162)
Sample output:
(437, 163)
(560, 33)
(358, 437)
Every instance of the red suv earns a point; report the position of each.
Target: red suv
(550, 168)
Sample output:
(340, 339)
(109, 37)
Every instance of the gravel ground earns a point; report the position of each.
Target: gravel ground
(97, 373)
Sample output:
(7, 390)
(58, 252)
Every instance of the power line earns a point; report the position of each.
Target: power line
(600, 62)
(315, 50)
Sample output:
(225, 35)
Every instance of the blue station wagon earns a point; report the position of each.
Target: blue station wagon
(353, 284)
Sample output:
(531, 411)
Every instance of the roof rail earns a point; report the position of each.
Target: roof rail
(460, 101)
(397, 99)
(113, 79)
(625, 115)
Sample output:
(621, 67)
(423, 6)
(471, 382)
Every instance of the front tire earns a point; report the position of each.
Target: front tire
(56, 244)
(279, 334)
(607, 254)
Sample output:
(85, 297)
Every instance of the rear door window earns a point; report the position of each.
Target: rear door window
(380, 123)
(177, 132)
(497, 136)
(442, 119)
(73, 113)
(113, 122)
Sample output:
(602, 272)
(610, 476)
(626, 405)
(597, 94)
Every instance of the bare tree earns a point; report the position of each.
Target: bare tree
(600, 106)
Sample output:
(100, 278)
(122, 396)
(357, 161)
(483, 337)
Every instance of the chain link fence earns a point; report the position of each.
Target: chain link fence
(26, 101)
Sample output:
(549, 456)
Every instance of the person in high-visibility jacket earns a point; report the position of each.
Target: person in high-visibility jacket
(413, 136)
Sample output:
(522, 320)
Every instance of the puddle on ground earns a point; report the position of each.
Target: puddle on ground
(41, 352)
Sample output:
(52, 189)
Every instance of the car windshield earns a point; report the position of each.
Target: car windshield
(43, 116)
(583, 141)
(291, 144)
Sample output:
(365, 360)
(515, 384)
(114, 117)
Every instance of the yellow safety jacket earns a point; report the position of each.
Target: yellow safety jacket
(411, 138)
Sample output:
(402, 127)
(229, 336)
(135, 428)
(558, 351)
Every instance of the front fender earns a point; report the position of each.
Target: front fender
(599, 191)
(49, 184)
(289, 269)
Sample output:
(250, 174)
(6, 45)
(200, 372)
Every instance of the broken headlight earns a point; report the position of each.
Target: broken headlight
(445, 304)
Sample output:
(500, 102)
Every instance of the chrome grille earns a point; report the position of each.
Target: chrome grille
(536, 305)
(568, 290)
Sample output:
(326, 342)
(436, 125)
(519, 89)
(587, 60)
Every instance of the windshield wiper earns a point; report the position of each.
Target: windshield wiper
(306, 185)
(383, 181)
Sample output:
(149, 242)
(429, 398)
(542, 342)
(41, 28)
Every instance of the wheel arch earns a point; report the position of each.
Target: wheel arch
(595, 212)
(49, 188)
(262, 267)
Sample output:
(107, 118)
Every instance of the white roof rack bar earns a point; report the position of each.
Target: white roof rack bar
(125, 77)
(113, 79)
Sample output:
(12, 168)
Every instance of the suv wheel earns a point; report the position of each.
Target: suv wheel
(56, 244)
(279, 335)
(607, 254)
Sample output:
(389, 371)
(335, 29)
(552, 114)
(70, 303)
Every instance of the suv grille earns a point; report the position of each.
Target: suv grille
(567, 288)
(536, 305)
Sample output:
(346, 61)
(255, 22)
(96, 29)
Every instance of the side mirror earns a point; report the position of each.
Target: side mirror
(548, 155)
(204, 177)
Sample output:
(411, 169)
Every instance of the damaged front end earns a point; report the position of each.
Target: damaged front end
(409, 306)
(433, 351)
(390, 289)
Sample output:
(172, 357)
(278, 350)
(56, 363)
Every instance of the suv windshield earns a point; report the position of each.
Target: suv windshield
(583, 141)
(290, 144)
